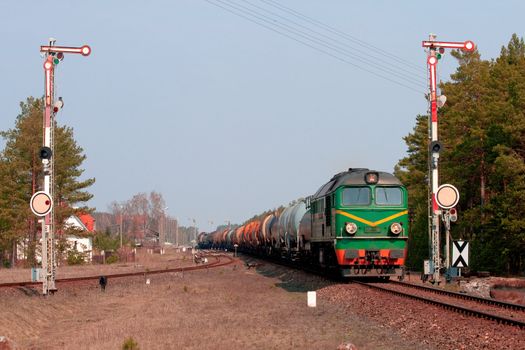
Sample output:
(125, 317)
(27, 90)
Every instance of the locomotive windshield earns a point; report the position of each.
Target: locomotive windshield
(385, 196)
(388, 196)
(356, 196)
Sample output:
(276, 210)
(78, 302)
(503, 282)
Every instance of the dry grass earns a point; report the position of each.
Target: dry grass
(223, 308)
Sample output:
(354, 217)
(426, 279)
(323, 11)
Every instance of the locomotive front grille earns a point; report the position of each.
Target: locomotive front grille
(351, 254)
(372, 255)
(397, 253)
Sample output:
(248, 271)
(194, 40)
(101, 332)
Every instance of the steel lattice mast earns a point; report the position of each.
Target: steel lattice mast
(435, 146)
(42, 202)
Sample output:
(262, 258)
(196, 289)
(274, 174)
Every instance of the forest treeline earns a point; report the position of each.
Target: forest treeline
(482, 129)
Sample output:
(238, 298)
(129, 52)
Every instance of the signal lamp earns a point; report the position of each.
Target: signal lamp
(441, 50)
(438, 56)
(453, 214)
(396, 228)
(371, 178)
(436, 147)
(45, 153)
(351, 228)
(59, 56)
(441, 100)
(58, 105)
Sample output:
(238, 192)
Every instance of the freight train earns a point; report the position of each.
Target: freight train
(355, 224)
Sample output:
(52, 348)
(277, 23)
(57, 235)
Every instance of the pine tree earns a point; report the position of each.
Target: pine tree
(21, 175)
(11, 211)
(21, 172)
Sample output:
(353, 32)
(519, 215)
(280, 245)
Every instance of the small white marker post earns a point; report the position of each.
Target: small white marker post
(312, 299)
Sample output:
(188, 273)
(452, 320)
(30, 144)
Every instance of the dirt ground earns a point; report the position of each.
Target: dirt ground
(229, 307)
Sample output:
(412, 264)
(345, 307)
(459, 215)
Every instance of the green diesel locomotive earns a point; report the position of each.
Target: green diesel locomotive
(359, 222)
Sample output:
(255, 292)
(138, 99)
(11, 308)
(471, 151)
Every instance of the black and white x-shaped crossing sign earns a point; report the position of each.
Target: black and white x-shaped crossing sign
(460, 254)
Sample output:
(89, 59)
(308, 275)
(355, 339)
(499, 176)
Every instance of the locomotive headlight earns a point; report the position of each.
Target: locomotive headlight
(396, 228)
(351, 228)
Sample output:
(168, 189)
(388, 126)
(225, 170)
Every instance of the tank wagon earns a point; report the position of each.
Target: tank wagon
(356, 223)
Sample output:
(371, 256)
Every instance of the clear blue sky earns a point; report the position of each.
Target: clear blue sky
(227, 118)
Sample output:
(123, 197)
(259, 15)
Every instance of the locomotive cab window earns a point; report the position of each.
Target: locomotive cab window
(355, 196)
(388, 196)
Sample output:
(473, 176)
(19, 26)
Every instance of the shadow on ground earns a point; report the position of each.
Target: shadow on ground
(292, 280)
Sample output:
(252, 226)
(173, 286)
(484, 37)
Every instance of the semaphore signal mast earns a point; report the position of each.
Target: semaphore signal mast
(42, 201)
(445, 197)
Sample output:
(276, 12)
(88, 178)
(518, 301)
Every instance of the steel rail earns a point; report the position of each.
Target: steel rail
(502, 304)
(456, 308)
(217, 263)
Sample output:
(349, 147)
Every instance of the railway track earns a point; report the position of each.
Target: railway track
(502, 304)
(218, 262)
(501, 312)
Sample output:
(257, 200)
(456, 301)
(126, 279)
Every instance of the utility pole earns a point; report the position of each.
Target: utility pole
(177, 232)
(194, 229)
(168, 228)
(120, 230)
(435, 146)
(162, 233)
(42, 201)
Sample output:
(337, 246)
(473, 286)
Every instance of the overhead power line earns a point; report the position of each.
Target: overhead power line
(345, 35)
(327, 45)
(368, 58)
(318, 41)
